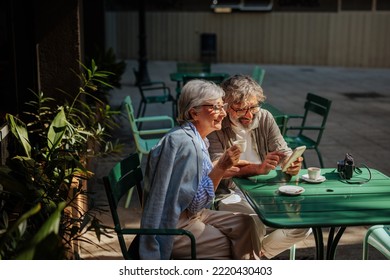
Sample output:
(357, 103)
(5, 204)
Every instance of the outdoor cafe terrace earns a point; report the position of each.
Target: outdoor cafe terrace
(358, 123)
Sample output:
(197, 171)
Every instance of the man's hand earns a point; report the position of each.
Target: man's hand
(231, 172)
(234, 170)
(271, 161)
(295, 167)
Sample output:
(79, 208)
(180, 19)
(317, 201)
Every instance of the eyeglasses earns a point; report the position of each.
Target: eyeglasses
(243, 112)
(216, 107)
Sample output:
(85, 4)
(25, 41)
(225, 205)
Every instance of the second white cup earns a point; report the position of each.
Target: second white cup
(241, 144)
(314, 173)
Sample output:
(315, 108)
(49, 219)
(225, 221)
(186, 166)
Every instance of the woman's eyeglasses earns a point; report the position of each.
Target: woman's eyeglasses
(243, 112)
(216, 107)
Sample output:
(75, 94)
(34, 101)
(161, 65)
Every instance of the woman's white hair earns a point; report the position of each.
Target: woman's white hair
(195, 93)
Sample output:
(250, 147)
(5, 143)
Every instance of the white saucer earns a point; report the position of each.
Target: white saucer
(291, 190)
(319, 180)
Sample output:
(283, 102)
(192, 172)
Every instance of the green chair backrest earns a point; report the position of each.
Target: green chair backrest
(312, 125)
(317, 105)
(280, 117)
(139, 143)
(125, 175)
(214, 78)
(258, 74)
(143, 145)
(121, 179)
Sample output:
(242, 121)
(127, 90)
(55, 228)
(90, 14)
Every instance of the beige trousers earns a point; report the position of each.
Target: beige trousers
(219, 235)
(277, 240)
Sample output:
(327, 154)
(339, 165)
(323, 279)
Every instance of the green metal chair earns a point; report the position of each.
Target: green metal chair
(377, 236)
(258, 74)
(280, 117)
(123, 177)
(147, 138)
(312, 125)
(154, 92)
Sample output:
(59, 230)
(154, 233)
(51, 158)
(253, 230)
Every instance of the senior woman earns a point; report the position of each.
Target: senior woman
(180, 182)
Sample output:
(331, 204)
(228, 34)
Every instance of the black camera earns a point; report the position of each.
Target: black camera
(346, 167)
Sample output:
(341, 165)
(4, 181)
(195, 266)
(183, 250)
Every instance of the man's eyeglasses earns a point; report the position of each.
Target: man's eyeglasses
(243, 112)
(216, 107)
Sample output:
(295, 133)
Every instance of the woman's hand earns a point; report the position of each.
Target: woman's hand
(229, 158)
(226, 162)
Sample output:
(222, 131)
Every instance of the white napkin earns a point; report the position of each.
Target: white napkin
(234, 198)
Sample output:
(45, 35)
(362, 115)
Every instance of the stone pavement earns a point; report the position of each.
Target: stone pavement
(359, 123)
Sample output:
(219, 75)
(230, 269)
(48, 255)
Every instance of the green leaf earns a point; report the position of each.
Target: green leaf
(50, 226)
(19, 130)
(57, 130)
(22, 220)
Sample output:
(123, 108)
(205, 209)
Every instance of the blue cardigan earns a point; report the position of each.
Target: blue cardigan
(172, 177)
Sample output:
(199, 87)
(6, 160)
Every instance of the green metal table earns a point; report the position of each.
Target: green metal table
(178, 78)
(333, 203)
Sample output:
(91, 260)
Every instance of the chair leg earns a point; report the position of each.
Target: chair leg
(130, 193)
(141, 112)
(144, 109)
(292, 252)
(365, 241)
(174, 110)
(365, 249)
(139, 109)
(320, 158)
(304, 163)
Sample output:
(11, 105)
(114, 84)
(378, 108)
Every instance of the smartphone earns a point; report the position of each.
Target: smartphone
(298, 151)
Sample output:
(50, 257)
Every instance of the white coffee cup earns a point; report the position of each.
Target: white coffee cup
(314, 173)
(241, 143)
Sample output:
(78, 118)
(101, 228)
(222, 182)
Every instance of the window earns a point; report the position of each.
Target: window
(356, 5)
(306, 5)
(382, 5)
(243, 5)
(257, 5)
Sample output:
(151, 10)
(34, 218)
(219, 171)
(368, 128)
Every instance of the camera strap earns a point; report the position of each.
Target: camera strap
(357, 170)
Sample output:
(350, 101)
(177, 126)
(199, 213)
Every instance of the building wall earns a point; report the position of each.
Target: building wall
(350, 39)
(58, 47)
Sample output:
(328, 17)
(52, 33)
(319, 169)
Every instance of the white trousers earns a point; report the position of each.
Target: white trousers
(277, 240)
(219, 235)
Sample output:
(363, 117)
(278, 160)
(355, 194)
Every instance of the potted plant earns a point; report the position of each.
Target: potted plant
(42, 196)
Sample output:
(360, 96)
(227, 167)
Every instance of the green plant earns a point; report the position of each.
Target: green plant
(28, 247)
(107, 61)
(48, 167)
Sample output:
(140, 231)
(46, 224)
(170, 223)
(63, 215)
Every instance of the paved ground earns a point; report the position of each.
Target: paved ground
(358, 123)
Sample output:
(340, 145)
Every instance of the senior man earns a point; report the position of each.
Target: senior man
(265, 150)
